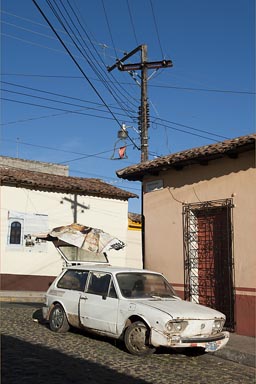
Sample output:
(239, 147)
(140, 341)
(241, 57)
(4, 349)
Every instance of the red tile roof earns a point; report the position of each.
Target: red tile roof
(22, 178)
(197, 155)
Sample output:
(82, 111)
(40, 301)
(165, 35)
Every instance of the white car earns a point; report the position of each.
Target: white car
(138, 306)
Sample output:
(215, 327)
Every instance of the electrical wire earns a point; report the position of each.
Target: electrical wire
(57, 101)
(35, 44)
(56, 94)
(30, 30)
(202, 89)
(97, 53)
(157, 32)
(109, 29)
(188, 126)
(109, 118)
(97, 92)
(75, 61)
(154, 119)
(132, 23)
(149, 85)
(64, 150)
(45, 26)
(102, 77)
(199, 90)
(57, 109)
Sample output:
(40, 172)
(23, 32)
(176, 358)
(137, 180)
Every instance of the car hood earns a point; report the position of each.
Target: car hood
(182, 309)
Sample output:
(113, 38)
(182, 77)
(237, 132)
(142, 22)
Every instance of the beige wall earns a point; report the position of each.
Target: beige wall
(221, 179)
(134, 249)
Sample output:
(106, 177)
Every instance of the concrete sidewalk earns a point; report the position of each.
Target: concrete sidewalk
(240, 349)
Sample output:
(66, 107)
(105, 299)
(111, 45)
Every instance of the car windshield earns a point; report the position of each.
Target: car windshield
(144, 285)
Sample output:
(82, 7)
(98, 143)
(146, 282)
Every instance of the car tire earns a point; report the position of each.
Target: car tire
(58, 320)
(136, 339)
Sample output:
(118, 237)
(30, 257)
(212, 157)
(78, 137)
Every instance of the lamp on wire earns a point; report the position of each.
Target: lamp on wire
(120, 145)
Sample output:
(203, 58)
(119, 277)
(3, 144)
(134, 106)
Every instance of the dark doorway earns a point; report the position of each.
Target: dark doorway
(208, 256)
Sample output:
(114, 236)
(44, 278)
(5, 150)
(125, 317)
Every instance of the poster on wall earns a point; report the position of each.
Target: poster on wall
(23, 226)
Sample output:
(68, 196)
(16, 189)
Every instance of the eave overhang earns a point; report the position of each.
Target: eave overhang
(200, 155)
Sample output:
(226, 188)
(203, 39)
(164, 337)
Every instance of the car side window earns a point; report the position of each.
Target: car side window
(112, 291)
(74, 280)
(99, 283)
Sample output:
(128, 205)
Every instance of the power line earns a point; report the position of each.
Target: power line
(157, 32)
(100, 58)
(109, 29)
(50, 148)
(109, 118)
(189, 133)
(132, 23)
(102, 77)
(31, 42)
(29, 30)
(149, 85)
(75, 61)
(84, 156)
(57, 101)
(56, 94)
(45, 26)
(192, 128)
(57, 109)
(41, 117)
(64, 96)
(202, 89)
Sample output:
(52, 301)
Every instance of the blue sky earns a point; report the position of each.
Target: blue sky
(51, 111)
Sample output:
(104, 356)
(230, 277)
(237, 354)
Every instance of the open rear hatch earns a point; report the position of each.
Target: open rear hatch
(78, 244)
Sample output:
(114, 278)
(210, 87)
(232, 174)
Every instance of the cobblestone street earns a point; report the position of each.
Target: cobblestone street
(31, 353)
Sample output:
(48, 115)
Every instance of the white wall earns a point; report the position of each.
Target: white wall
(108, 214)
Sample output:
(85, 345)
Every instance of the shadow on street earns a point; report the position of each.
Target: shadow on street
(23, 362)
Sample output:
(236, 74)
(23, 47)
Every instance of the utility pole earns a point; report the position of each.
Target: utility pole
(143, 66)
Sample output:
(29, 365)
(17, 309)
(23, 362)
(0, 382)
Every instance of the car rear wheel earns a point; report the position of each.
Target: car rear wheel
(136, 339)
(58, 319)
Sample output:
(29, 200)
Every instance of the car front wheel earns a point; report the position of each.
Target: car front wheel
(58, 319)
(136, 339)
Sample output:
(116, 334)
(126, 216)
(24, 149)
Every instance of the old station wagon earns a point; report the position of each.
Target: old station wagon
(138, 306)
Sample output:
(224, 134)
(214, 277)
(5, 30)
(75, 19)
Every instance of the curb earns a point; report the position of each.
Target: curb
(236, 356)
(31, 299)
(22, 297)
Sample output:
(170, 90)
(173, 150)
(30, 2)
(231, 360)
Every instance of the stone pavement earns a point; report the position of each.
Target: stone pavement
(240, 349)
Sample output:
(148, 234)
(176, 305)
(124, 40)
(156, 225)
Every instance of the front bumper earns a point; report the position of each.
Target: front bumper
(209, 343)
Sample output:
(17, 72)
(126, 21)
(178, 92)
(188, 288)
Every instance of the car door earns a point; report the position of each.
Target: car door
(70, 287)
(99, 304)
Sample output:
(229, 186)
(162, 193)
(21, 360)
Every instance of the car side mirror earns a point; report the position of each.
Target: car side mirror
(104, 296)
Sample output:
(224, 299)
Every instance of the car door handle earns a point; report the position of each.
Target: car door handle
(83, 297)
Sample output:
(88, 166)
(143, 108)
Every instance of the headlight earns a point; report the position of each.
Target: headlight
(218, 325)
(176, 326)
